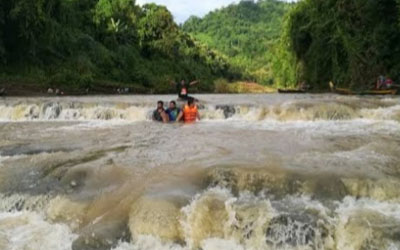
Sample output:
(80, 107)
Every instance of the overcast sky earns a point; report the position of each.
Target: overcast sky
(183, 9)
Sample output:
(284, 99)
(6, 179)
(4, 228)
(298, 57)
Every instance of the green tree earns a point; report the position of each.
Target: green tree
(2, 49)
(117, 18)
(348, 42)
(157, 29)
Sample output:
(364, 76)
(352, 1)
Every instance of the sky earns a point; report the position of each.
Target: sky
(183, 9)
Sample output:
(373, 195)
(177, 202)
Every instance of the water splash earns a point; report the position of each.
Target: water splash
(287, 111)
(30, 231)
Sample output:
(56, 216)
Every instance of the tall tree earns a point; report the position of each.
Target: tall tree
(157, 29)
(349, 42)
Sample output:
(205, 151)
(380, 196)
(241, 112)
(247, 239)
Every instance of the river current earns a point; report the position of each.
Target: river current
(257, 172)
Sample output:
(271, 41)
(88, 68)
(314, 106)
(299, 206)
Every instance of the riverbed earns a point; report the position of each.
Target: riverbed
(257, 172)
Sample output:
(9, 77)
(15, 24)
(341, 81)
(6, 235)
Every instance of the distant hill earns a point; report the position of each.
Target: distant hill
(245, 32)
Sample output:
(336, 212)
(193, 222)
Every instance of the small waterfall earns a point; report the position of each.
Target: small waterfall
(283, 112)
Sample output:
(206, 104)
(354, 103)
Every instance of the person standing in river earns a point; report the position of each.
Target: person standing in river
(183, 89)
(189, 113)
(173, 111)
(159, 114)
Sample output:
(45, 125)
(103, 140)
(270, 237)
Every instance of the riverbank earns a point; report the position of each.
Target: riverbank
(28, 87)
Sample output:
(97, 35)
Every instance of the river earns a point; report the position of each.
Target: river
(257, 172)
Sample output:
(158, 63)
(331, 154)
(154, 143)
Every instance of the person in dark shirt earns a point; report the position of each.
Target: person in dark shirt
(159, 114)
(183, 89)
(173, 111)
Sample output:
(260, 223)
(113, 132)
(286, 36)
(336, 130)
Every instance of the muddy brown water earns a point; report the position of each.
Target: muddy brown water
(258, 172)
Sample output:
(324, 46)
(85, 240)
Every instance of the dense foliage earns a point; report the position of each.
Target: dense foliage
(245, 32)
(81, 42)
(349, 42)
(92, 43)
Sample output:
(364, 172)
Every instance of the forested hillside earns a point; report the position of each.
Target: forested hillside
(89, 43)
(106, 44)
(246, 32)
(350, 42)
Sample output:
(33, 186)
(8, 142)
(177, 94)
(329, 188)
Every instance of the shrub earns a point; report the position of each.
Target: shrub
(221, 86)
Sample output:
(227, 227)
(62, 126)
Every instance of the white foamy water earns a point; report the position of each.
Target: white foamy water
(258, 172)
(30, 231)
(152, 243)
(247, 108)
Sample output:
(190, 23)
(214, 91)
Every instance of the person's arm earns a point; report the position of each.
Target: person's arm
(198, 115)
(164, 117)
(194, 82)
(180, 116)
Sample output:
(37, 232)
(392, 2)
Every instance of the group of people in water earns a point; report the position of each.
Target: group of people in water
(188, 113)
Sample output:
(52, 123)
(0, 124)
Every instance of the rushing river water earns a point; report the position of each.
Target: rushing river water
(258, 172)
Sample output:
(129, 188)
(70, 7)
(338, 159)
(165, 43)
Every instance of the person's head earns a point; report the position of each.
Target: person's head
(190, 102)
(172, 105)
(160, 105)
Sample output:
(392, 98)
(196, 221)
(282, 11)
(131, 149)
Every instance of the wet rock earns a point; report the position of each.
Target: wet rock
(228, 110)
(51, 110)
(73, 179)
(34, 113)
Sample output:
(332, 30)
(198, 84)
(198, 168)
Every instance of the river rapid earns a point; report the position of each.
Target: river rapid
(258, 172)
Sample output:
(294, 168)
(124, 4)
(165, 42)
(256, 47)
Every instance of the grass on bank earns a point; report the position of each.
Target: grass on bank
(223, 86)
